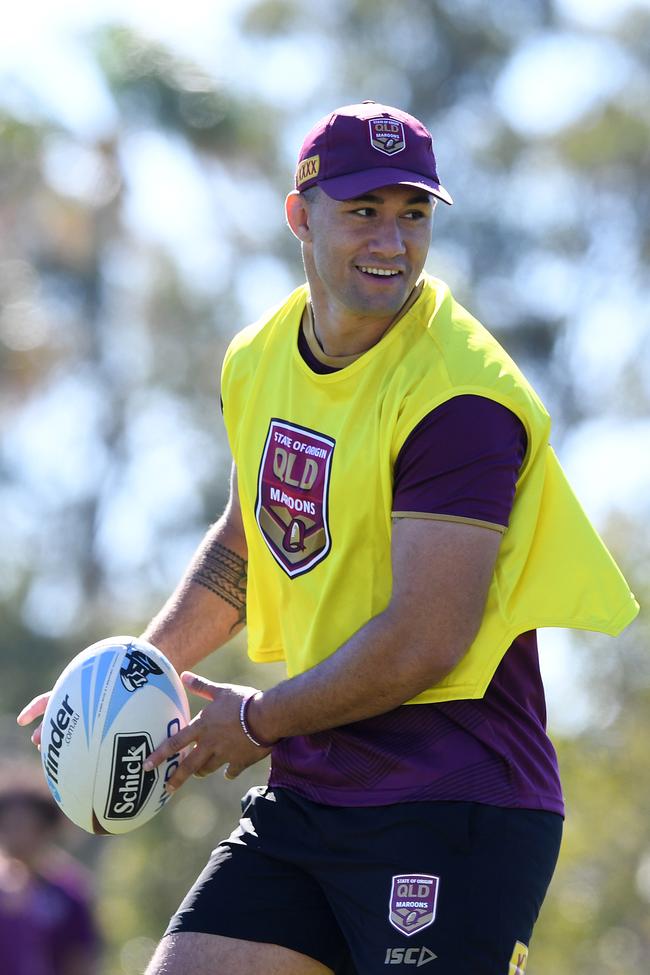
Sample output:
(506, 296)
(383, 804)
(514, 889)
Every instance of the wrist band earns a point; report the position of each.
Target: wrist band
(243, 710)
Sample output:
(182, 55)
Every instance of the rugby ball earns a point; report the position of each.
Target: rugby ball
(113, 704)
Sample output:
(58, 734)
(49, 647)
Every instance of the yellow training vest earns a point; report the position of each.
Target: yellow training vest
(315, 457)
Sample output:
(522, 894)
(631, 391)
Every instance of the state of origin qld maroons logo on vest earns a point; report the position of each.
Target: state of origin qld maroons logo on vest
(292, 496)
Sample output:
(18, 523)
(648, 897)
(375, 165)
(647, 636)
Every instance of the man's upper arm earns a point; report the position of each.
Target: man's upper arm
(441, 576)
(234, 524)
(455, 483)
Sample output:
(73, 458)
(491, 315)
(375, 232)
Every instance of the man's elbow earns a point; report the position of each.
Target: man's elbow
(439, 659)
(431, 649)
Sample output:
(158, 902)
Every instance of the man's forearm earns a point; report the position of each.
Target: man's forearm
(377, 669)
(209, 605)
(441, 577)
(373, 672)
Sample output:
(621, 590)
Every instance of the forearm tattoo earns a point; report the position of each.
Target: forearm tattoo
(223, 572)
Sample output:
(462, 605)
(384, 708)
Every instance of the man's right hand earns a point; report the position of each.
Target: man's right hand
(34, 710)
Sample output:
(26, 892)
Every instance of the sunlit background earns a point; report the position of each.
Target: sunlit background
(145, 151)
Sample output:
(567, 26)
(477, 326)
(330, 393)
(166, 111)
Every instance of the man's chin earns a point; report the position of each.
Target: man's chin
(381, 308)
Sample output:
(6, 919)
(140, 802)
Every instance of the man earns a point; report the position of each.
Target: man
(397, 528)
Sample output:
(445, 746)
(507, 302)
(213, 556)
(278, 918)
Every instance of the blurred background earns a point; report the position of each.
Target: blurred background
(145, 152)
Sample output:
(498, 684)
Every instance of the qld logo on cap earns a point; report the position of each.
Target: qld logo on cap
(387, 135)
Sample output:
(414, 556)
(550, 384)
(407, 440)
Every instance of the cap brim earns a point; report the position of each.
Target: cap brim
(356, 184)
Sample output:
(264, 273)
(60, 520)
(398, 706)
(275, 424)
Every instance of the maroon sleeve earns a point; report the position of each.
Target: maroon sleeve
(461, 461)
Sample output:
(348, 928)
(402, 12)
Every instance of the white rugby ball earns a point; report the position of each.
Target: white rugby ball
(113, 704)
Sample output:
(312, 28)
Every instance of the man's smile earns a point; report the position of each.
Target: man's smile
(380, 272)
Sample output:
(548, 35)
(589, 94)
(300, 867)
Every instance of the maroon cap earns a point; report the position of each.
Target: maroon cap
(359, 148)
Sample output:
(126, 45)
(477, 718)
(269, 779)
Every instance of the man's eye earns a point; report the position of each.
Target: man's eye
(415, 215)
(364, 211)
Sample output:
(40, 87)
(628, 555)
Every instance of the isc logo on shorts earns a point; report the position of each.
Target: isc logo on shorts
(409, 956)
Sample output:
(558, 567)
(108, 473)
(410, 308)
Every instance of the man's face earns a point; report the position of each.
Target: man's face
(366, 254)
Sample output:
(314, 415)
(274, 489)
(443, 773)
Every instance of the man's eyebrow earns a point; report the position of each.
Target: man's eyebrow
(422, 197)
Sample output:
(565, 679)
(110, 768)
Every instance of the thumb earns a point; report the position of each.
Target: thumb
(199, 685)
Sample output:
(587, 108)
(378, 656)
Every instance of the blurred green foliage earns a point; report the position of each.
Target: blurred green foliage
(113, 458)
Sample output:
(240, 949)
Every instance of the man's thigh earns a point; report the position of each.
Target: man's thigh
(256, 890)
(207, 954)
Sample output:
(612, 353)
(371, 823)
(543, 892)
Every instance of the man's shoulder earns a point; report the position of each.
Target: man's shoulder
(447, 322)
(470, 352)
(447, 352)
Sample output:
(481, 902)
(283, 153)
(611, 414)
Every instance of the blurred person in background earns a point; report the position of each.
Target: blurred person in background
(47, 922)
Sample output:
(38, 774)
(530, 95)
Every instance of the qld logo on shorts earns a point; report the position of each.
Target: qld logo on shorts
(387, 135)
(413, 899)
(292, 496)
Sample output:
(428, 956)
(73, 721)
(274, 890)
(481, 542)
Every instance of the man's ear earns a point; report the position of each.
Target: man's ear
(297, 213)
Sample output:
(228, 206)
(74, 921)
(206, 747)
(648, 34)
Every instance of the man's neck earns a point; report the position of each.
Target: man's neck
(344, 336)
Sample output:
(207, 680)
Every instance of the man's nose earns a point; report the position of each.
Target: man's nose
(388, 241)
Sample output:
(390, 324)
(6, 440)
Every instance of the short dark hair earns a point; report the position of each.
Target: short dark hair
(310, 194)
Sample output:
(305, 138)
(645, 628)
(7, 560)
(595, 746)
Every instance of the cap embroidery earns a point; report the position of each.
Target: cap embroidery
(387, 135)
(308, 169)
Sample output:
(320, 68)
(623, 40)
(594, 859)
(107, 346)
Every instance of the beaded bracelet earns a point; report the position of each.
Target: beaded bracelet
(243, 709)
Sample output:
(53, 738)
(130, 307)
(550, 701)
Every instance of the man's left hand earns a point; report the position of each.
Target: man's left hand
(215, 733)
